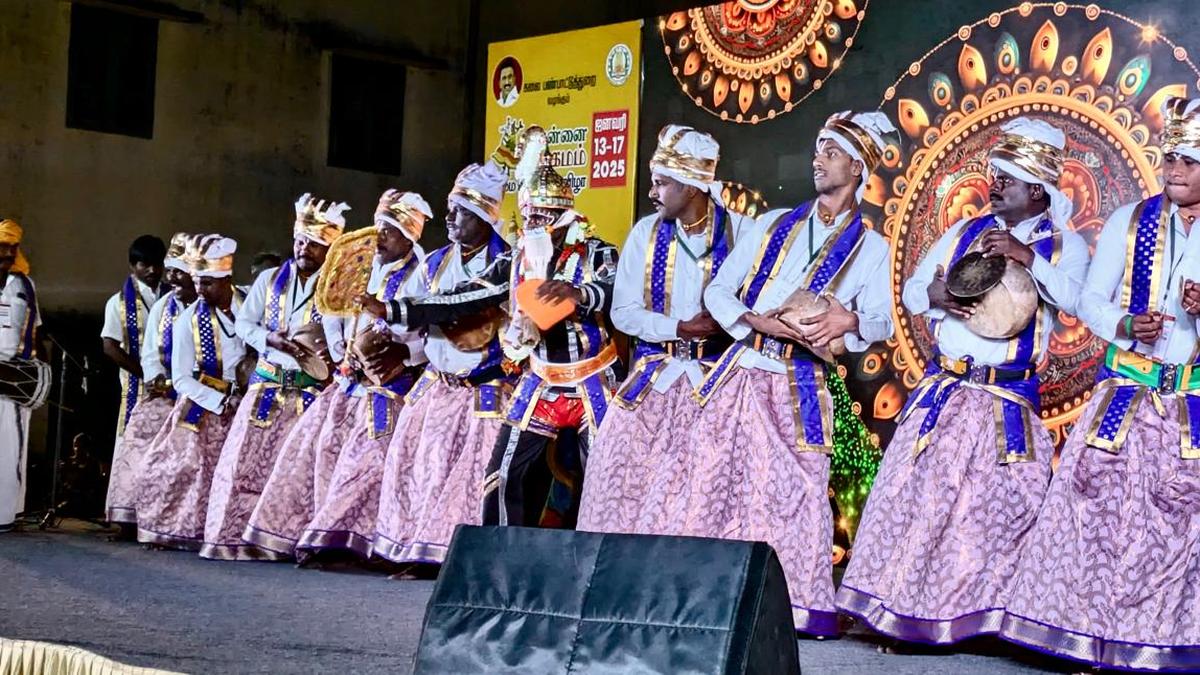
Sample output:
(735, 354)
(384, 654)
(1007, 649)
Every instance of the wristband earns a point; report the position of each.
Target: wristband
(1128, 321)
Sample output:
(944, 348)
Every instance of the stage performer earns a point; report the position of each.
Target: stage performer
(19, 321)
(151, 413)
(445, 433)
(279, 307)
(638, 465)
(177, 469)
(385, 362)
(571, 371)
(124, 328)
(962, 480)
(1107, 574)
(760, 447)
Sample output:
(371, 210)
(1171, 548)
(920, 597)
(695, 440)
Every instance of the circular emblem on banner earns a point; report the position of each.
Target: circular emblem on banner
(619, 64)
(751, 60)
(1100, 77)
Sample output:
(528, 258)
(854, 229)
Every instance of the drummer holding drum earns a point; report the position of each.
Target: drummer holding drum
(19, 321)
(960, 485)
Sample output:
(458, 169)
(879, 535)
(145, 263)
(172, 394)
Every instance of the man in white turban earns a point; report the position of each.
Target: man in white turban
(279, 307)
(1108, 569)
(761, 444)
(667, 261)
(967, 468)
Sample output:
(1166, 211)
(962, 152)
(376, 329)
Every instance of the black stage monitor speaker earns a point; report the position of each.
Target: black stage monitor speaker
(524, 600)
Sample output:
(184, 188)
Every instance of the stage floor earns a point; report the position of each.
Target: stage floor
(178, 612)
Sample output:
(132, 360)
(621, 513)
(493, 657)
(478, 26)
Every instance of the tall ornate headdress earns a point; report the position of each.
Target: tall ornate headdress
(316, 221)
(538, 184)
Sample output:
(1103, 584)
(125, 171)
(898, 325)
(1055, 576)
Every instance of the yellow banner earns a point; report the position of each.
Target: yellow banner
(582, 87)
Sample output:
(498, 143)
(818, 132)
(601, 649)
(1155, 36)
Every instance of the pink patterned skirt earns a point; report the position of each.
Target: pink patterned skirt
(145, 422)
(346, 518)
(1111, 572)
(301, 473)
(433, 474)
(176, 476)
(935, 557)
(246, 461)
(749, 482)
(639, 466)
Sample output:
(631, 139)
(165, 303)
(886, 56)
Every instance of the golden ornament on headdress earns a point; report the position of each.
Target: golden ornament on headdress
(178, 245)
(667, 157)
(196, 258)
(349, 258)
(1179, 127)
(539, 185)
(409, 220)
(1042, 160)
(316, 220)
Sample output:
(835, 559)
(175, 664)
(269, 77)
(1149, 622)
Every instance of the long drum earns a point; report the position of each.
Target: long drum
(25, 382)
(1007, 295)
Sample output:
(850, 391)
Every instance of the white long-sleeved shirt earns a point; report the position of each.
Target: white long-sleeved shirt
(184, 360)
(12, 322)
(440, 351)
(862, 287)
(1058, 285)
(114, 312)
(1100, 307)
(629, 312)
(152, 365)
(340, 332)
(251, 324)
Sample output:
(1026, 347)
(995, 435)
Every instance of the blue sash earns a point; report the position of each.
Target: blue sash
(1016, 402)
(1142, 283)
(379, 397)
(275, 318)
(135, 318)
(166, 337)
(649, 358)
(207, 340)
(812, 405)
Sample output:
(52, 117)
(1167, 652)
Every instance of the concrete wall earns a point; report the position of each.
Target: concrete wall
(240, 130)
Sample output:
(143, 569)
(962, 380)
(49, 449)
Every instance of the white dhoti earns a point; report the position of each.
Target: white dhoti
(14, 446)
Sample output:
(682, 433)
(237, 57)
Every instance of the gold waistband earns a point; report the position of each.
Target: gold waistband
(560, 374)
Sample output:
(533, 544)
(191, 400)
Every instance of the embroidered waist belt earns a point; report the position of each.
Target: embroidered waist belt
(562, 374)
(288, 379)
(773, 347)
(966, 370)
(1165, 378)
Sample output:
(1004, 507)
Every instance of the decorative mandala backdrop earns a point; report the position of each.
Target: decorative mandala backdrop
(750, 60)
(1096, 74)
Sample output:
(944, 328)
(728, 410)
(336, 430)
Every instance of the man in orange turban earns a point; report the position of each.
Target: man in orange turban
(18, 325)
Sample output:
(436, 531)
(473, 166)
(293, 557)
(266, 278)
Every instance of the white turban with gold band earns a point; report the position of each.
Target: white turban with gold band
(176, 251)
(1033, 151)
(479, 188)
(317, 222)
(407, 212)
(860, 135)
(1181, 127)
(688, 156)
(11, 233)
(210, 255)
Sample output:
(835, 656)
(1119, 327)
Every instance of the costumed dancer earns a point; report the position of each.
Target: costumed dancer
(445, 433)
(385, 361)
(803, 282)
(280, 321)
(19, 321)
(124, 328)
(177, 469)
(1109, 573)
(967, 469)
(571, 364)
(638, 465)
(151, 413)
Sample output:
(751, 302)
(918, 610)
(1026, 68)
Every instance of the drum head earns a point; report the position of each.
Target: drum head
(973, 275)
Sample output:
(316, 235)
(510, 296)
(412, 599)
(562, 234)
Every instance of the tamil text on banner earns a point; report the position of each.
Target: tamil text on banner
(582, 87)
